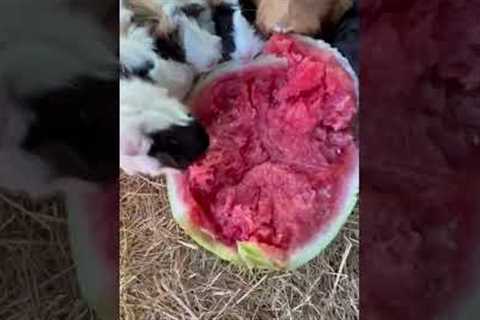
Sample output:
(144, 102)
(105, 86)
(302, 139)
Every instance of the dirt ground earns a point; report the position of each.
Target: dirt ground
(164, 275)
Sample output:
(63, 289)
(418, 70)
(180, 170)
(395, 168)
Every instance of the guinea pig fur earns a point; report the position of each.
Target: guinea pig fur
(156, 130)
(235, 24)
(203, 50)
(248, 44)
(308, 17)
(138, 57)
(192, 21)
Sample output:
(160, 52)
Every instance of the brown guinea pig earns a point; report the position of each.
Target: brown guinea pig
(310, 17)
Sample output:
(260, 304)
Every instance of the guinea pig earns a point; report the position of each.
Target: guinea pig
(186, 23)
(203, 50)
(234, 24)
(307, 17)
(140, 56)
(156, 130)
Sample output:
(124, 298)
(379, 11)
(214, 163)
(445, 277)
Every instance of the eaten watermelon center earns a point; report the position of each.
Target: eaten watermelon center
(281, 147)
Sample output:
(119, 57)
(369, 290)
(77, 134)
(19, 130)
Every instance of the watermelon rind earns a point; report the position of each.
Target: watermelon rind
(234, 66)
(347, 205)
(256, 255)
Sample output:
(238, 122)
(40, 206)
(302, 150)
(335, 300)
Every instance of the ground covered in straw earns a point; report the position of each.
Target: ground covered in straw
(164, 275)
(37, 274)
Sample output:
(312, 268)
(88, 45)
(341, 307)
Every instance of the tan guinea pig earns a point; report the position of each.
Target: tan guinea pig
(308, 17)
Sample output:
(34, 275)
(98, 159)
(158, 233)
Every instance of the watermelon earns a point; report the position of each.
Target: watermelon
(280, 177)
(93, 227)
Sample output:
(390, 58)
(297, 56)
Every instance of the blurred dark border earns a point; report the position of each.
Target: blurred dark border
(420, 160)
(38, 278)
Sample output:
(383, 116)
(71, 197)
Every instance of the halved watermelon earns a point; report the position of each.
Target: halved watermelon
(281, 175)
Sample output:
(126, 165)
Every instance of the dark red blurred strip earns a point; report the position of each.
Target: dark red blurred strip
(420, 159)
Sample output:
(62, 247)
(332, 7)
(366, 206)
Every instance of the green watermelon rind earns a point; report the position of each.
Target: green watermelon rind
(255, 255)
(252, 254)
(348, 203)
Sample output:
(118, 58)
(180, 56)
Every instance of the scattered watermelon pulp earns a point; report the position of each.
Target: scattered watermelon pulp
(281, 175)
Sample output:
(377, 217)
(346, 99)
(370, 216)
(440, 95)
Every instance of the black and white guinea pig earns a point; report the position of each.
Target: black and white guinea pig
(183, 30)
(56, 90)
(203, 33)
(140, 57)
(235, 23)
(240, 36)
(156, 130)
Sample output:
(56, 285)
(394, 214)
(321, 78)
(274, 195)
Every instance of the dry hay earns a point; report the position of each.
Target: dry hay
(37, 274)
(164, 275)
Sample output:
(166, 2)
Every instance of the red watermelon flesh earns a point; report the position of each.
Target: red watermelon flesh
(281, 148)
